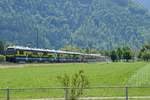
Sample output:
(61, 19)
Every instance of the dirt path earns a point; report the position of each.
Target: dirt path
(12, 65)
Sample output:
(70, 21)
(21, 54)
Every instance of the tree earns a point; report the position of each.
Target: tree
(127, 53)
(113, 56)
(2, 58)
(2, 46)
(119, 53)
(145, 53)
(74, 85)
(71, 48)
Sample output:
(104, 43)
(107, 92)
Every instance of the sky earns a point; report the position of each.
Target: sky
(146, 3)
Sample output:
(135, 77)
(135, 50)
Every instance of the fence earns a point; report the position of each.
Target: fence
(90, 93)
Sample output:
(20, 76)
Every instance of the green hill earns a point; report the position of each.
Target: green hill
(99, 24)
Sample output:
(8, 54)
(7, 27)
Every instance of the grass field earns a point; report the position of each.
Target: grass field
(99, 74)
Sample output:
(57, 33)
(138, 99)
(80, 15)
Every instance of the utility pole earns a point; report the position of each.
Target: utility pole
(37, 37)
(71, 41)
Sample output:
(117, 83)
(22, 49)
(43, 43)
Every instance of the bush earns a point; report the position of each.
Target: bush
(74, 85)
(2, 58)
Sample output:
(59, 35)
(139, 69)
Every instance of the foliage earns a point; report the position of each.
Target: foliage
(145, 53)
(2, 46)
(71, 48)
(82, 50)
(127, 54)
(98, 24)
(121, 54)
(2, 58)
(74, 85)
(113, 56)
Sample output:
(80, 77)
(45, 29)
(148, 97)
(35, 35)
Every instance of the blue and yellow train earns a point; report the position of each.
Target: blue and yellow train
(26, 54)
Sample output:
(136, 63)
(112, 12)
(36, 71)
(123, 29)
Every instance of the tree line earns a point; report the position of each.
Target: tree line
(120, 54)
(125, 54)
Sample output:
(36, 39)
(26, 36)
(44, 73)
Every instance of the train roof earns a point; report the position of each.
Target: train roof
(52, 51)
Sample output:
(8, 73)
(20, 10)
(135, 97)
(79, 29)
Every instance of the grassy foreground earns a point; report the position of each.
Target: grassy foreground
(99, 74)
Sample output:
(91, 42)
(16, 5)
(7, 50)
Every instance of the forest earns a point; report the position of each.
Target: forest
(97, 24)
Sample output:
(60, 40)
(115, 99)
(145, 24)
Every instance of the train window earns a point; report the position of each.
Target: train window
(10, 49)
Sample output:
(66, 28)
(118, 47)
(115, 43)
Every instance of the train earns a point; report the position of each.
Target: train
(18, 54)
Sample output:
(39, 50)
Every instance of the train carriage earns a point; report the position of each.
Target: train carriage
(26, 54)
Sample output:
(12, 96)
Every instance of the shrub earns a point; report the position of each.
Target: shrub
(2, 58)
(74, 84)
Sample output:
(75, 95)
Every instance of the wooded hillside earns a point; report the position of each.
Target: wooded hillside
(99, 24)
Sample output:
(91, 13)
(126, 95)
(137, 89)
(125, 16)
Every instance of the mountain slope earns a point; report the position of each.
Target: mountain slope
(100, 24)
(145, 3)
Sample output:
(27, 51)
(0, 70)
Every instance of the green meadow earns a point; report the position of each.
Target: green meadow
(99, 74)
